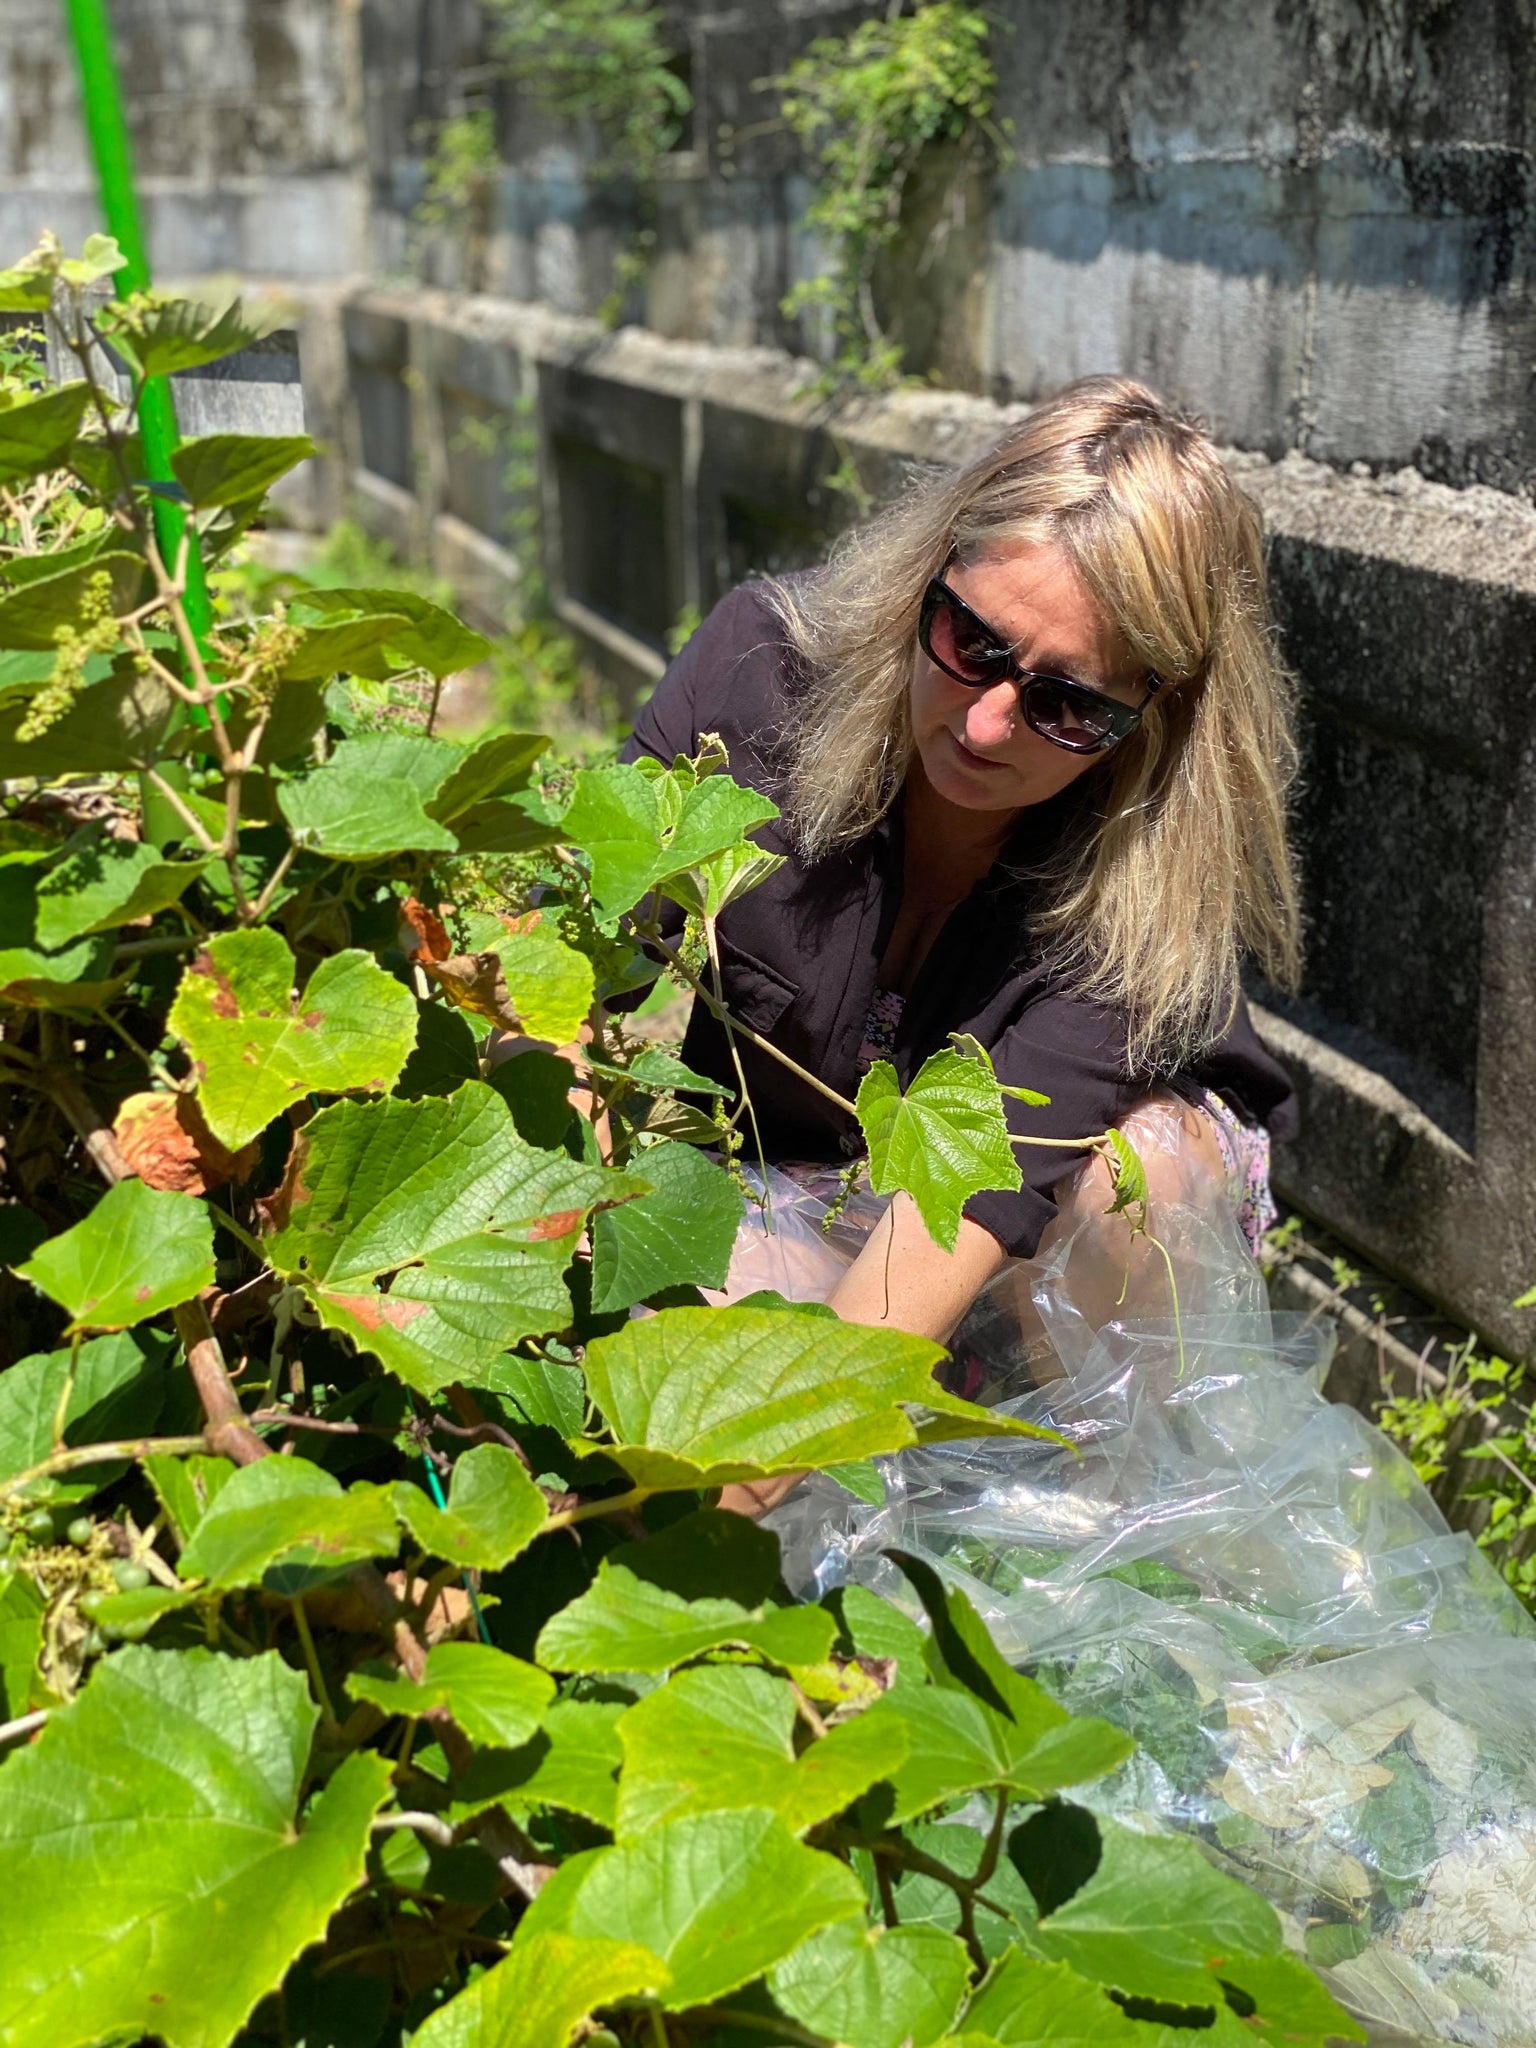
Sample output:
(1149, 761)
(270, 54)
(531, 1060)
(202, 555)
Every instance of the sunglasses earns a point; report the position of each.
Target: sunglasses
(1068, 714)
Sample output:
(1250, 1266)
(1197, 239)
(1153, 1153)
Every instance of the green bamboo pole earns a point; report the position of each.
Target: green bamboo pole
(108, 132)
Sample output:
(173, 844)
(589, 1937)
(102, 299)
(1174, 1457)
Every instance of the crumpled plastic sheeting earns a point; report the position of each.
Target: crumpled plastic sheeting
(1332, 1689)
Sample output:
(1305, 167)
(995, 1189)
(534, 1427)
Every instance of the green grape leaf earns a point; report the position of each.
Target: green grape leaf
(638, 829)
(1294, 2006)
(102, 883)
(345, 813)
(140, 1250)
(970, 1047)
(231, 469)
(35, 433)
(549, 983)
(338, 649)
(1130, 1175)
(27, 967)
(683, 1231)
(114, 725)
(874, 1987)
(626, 1623)
(1155, 1920)
(955, 1744)
(655, 1069)
(118, 1387)
(431, 1234)
(446, 1055)
(722, 1736)
(494, 1511)
(162, 336)
(32, 615)
(541, 1990)
(154, 1815)
(874, 1628)
(720, 1897)
(430, 638)
(572, 1762)
(514, 824)
(536, 1085)
(496, 1699)
(258, 1047)
(1025, 2002)
(184, 1487)
(861, 1478)
(699, 1397)
(712, 885)
(287, 1523)
(22, 1607)
(961, 1654)
(943, 1141)
(492, 768)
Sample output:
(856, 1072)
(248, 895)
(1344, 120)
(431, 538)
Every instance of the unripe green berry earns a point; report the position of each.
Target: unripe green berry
(39, 1526)
(90, 1602)
(130, 1577)
(80, 1531)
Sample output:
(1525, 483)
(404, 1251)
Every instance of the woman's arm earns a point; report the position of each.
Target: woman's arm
(901, 1280)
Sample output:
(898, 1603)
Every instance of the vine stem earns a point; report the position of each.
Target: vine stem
(735, 1024)
(78, 1455)
(312, 1662)
(432, 1825)
(27, 1724)
(591, 1510)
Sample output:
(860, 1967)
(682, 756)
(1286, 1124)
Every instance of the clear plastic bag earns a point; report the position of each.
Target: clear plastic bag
(1332, 1689)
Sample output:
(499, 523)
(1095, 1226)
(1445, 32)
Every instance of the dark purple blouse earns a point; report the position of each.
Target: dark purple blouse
(799, 954)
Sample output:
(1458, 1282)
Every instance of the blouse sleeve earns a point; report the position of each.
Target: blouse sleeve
(669, 722)
(1073, 1051)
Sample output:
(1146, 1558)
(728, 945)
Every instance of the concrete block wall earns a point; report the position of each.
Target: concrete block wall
(669, 470)
(245, 122)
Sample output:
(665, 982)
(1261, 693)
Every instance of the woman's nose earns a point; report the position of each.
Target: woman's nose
(992, 717)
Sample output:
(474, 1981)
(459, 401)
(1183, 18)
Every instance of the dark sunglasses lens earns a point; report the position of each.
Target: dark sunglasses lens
(1070, 719)
(957, 643)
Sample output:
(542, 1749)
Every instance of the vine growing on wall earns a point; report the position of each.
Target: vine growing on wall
(459, 190)
(607, 62)
(866, 106)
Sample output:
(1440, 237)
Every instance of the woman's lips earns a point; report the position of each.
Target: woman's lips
(973, 760)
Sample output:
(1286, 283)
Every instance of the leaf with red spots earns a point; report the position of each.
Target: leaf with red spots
(432, 1235)
(141, 1250)
(259, 1046)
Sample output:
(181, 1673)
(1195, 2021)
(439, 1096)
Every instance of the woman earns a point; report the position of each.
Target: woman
(1031, 740)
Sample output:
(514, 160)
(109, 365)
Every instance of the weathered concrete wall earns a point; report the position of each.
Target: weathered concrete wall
(245, 123)
(1310, 219)
(670, 470)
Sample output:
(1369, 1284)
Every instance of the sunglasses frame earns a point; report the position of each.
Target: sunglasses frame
(1124, 718)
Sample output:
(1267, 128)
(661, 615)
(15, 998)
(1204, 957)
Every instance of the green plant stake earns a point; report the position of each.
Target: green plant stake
(108, 132)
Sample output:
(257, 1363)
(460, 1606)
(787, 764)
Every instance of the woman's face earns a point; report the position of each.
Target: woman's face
(975, 748)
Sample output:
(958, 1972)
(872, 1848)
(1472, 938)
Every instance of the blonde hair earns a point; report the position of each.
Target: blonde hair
(1184, 863)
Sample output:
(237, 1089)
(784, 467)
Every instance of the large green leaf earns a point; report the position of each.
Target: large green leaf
(1293, 2006)
(699, 1397)
(36, 432)
(116, 1390)
(114, 725)
(1155, 1920)
(954, 1744)
(493, 767)
(549, 982)
(431, 1234)
(683, 1231)
(102, 883)
(289, 1519)
(140, 1250)
(32, 616)
(231, 469)
(169, 1878)
(943, 1141)
(163, 336)
(1024, 2002)
(638, 829)
(722, 1736)
(720, 1897)
(495, 1699)
(572, 1762)
(26, 964)
(537, 1996)
(346, 813)
(626, 1623)
(338, 649)
(258, 1046)
(494, 1511)
(23, 1605)
(874, 1987)
(431, 638)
